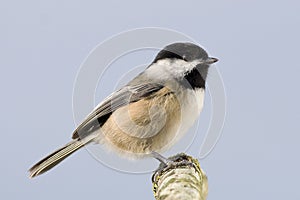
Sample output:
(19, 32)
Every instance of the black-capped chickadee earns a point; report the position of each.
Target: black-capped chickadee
(149, 114)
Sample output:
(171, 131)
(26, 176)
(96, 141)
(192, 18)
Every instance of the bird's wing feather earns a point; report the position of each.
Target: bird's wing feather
(116, 100)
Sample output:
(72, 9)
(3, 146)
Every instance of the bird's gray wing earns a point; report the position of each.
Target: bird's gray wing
(116, 100)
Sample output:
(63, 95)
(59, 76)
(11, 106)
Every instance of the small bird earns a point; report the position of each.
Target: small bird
(148, 115)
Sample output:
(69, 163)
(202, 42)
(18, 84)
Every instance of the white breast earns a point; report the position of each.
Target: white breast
(192, 104)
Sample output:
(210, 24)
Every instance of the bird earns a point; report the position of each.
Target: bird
(149, 114)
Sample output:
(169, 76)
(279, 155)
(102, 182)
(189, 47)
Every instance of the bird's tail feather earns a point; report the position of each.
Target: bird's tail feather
(57, 156)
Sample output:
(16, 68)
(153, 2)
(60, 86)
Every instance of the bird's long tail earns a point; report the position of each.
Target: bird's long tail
(57, 156)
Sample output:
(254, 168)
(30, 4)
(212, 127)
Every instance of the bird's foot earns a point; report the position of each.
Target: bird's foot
(179, 160)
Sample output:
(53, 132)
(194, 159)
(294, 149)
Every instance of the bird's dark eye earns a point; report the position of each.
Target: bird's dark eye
(168, 54)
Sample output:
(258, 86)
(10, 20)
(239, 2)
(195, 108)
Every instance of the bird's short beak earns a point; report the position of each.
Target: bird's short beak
(211, 60)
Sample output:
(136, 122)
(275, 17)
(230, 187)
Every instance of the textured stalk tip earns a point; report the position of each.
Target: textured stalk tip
(181, 179)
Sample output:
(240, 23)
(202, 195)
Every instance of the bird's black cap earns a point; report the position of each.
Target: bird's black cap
(184, 51)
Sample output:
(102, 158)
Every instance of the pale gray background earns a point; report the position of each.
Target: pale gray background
(42, 45)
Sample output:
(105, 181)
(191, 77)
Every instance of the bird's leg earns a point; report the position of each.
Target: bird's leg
(161, 159)
(179, 159)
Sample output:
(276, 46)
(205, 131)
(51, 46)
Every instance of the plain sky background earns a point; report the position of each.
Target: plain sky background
(43, 43)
